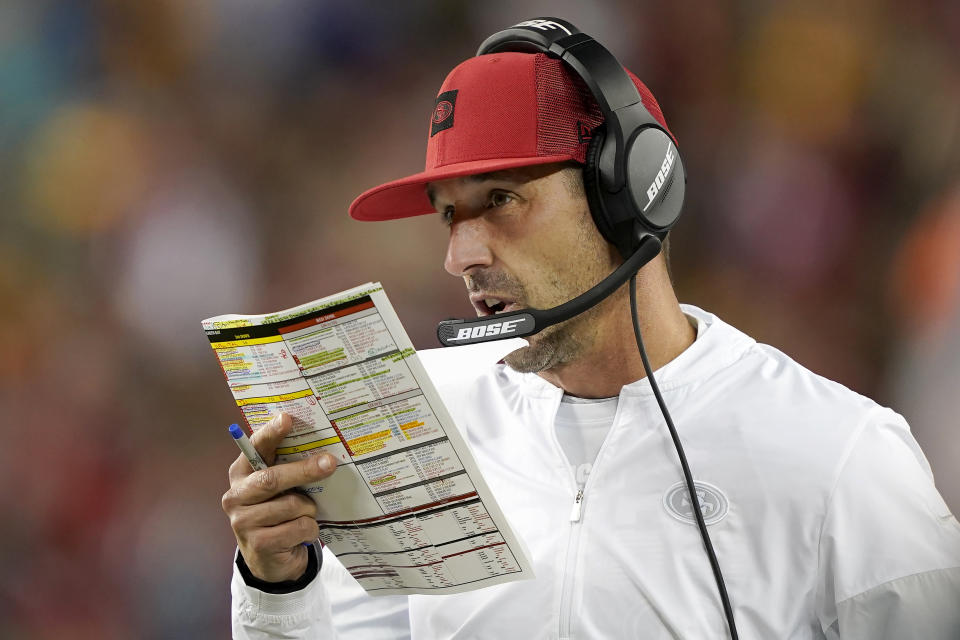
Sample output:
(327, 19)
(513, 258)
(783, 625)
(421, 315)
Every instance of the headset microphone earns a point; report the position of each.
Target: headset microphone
(526, 322)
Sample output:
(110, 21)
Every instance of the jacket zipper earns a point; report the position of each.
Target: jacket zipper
(576, 515)
(577, 506)
(569, 568)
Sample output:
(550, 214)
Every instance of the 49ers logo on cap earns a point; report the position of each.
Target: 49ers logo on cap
(443, 112)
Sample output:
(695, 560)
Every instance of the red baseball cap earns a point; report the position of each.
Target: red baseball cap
(497, 111)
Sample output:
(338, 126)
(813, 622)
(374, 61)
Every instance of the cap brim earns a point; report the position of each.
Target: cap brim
(407, 197)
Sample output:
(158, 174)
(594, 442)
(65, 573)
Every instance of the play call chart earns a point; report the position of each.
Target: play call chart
(407, 510)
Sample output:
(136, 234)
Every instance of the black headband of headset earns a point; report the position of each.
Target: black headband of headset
(614, 91)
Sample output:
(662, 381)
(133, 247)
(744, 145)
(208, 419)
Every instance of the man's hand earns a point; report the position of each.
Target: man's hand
(271, 522)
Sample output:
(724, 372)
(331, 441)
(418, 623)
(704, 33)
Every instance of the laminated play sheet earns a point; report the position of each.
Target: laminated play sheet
(407, 510)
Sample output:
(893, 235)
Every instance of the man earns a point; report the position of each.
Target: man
(820, 505)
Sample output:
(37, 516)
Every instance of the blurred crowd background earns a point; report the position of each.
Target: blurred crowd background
(165, 161)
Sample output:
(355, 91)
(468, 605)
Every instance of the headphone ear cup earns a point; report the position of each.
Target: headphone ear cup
(656, 180)
(591, 184)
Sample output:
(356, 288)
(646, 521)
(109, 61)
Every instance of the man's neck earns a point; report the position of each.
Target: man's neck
(614, 360)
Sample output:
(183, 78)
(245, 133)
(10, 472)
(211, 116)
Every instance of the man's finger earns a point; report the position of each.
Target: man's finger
(268, 437)
(281, 538)
(263, 485)
(283, 508)
(239, 469)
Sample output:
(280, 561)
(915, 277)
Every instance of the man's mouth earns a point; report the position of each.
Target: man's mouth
(490, 305)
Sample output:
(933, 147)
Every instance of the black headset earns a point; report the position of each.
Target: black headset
(633, 177)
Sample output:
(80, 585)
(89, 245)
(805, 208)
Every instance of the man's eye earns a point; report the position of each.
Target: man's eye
(499, 199)
(447, 216)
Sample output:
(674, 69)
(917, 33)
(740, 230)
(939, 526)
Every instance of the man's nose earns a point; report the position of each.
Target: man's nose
(468, 247)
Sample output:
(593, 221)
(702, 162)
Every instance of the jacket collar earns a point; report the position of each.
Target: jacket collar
(717, 346)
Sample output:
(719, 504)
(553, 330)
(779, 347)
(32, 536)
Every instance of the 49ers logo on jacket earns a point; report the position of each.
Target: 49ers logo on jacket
(442, 117)
(713, 503)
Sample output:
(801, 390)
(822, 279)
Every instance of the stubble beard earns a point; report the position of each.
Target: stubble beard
(567, 341)
(554, 346)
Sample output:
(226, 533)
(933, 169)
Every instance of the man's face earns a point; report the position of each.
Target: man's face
(524, 238)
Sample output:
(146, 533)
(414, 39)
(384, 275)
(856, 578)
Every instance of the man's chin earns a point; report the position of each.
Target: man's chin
(544, 351)
(523, 361)
(557, 345)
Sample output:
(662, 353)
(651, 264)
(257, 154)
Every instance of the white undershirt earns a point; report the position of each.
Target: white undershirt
(582, 424)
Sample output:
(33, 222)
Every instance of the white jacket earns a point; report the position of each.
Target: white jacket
(826, 521)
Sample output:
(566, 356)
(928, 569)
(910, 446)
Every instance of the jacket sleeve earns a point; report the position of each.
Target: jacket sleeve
(889, 547)
(332, 605)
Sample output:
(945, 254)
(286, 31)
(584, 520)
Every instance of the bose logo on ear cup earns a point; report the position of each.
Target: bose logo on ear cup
(661, 177)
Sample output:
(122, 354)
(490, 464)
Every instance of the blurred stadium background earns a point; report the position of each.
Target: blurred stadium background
(164, 161)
